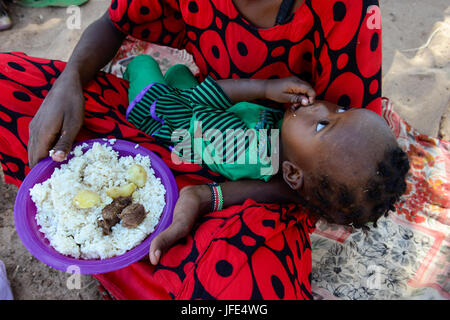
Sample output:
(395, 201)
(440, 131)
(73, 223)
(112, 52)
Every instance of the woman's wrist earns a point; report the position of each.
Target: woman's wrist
(202, 193)
(70, 74)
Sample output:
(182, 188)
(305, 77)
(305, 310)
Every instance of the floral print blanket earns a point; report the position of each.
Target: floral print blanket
(407, 255)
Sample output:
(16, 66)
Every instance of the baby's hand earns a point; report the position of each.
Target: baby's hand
(290, 90)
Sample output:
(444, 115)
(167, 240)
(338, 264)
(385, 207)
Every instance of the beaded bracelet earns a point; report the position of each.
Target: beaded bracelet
(216, 196)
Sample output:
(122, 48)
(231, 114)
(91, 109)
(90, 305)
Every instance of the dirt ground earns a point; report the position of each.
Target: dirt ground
(416, 40)
(31, 279)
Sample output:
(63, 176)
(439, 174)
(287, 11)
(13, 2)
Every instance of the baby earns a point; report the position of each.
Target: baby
(344, 164)
(216, 124)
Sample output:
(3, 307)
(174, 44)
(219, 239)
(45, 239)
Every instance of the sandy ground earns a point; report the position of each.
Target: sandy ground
(416, 40)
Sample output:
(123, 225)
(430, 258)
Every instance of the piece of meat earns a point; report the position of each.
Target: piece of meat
(122, 201)
(106, 227)
(132, 215)
(111, 212)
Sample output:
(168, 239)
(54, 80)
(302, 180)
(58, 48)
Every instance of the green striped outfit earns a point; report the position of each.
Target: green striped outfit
(160, 105)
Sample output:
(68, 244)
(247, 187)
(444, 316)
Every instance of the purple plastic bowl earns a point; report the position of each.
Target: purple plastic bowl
(39, 246)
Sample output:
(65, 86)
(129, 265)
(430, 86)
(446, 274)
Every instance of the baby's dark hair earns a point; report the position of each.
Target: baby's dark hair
(381, 192)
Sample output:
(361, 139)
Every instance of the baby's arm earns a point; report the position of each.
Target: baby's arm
(194, 201)
(284, 90)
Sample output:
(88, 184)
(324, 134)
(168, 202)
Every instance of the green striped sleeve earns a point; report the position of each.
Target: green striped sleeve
(209, 93)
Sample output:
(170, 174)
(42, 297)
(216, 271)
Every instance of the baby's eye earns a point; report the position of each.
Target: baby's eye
(341, 110)
(321, 125)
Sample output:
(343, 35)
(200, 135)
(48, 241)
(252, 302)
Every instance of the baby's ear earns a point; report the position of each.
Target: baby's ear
(292, 174)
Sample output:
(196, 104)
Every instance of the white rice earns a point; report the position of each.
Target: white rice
(73, 231)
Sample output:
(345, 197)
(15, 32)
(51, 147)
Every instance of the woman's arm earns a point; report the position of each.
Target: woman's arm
(61, 115)
(98, 44)
(195, 201)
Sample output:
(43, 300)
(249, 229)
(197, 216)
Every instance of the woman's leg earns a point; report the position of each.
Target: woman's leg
(142, 71)
(179, 76)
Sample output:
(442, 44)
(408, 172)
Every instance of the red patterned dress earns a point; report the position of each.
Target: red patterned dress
(250, 251)
(336, 45)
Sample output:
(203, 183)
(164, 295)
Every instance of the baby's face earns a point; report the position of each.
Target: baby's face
(319, 133)
(325, 139)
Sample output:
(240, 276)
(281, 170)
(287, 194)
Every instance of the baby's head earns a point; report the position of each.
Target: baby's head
(346, 165)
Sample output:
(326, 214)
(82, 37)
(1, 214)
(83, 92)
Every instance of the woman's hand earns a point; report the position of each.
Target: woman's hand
(290, 90)
(193, 202)
(58, 120)
(61, 115)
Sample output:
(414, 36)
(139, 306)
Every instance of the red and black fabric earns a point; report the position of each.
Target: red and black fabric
(335, 45)
(251, 251)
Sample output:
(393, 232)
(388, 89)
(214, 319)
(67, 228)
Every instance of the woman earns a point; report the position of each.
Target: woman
(262, 248)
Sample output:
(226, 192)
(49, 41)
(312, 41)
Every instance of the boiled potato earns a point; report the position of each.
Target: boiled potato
(86, 199)
(137, 175)
(122, 191)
